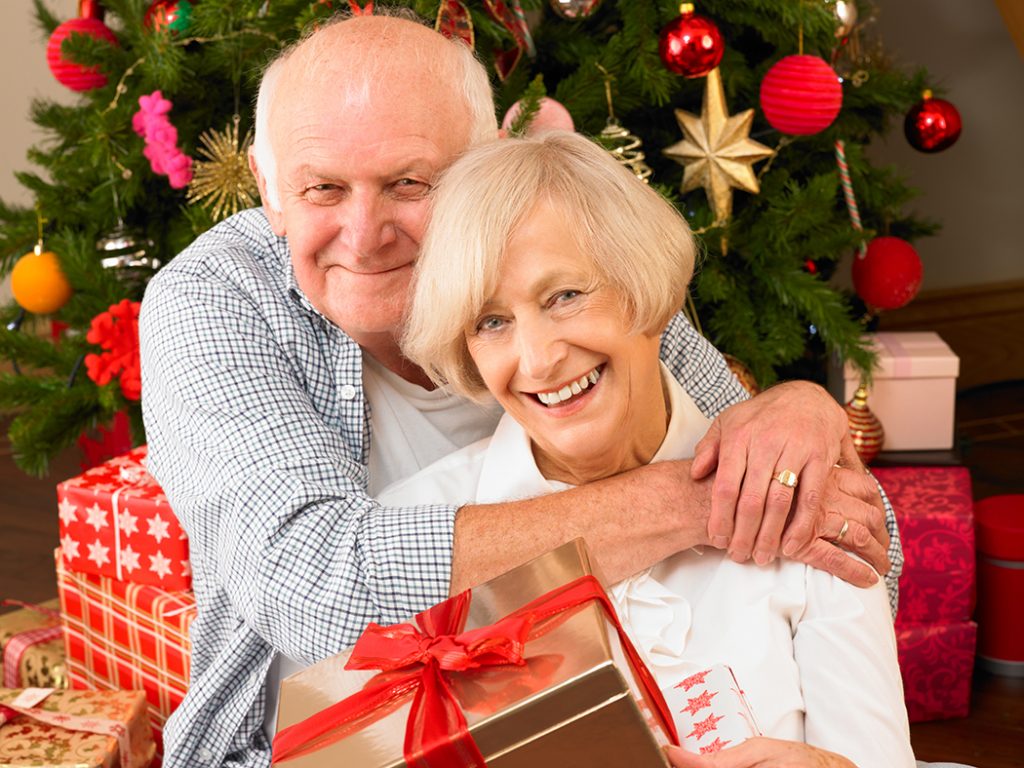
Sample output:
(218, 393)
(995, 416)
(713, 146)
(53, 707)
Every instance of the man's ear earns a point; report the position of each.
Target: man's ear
(276, 218)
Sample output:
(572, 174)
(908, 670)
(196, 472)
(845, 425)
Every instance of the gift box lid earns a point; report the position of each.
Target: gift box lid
(572, 669)
(904, 355)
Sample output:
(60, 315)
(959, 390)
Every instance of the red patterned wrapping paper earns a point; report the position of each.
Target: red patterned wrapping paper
(937, 661)
(115, 521)
(97, 724)
(127, 636)
(935, 511)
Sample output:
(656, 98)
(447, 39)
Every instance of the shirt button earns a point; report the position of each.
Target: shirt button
(205, 755)
(348, 392)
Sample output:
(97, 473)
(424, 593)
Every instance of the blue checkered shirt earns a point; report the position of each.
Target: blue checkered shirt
(259, 431)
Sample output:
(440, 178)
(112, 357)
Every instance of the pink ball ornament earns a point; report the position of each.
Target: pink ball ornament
(550, 116)
(889, 274)
(801, 95)
(76, 76)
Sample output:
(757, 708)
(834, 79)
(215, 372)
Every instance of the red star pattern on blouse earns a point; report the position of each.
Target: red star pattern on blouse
(692, 680)
(705, 726)
(698, 703)
(714, 746)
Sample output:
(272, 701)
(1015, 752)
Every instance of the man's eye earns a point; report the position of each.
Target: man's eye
(322, 194)
(411, 188)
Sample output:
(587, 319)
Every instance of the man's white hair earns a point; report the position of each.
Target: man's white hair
(467, 76)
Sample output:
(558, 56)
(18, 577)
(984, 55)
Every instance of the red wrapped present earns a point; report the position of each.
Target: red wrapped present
(74, 729)
(115, 521)
(711, 711)
(531, 668)
(126, 636)
(935, 512)
(936, 662)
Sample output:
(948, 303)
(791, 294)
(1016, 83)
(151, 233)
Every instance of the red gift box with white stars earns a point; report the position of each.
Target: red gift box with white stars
(115, 521)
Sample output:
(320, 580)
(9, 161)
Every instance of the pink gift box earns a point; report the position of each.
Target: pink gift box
(115, 521)
(936, 662)
(913, 390)
(935, 512)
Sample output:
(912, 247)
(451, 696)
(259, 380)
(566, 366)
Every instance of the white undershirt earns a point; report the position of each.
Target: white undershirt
(410, 428)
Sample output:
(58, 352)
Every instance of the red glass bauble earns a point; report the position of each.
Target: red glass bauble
(889, 273)
(801, 95)
(932, 125)
(691, 45)
(573, 10)
(168, 15)
(76, 76)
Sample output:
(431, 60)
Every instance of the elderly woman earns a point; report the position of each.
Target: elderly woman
(545, 281)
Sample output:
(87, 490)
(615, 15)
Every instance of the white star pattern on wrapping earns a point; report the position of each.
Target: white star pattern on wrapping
(99, 554)
(97, 517)
(68, 511)
(69, 547)
(160, 565)
(129, 559)
(186, 568)
(128, 521)
(158, 528)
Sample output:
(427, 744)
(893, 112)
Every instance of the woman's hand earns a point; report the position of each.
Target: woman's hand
(761, 752)
(794, 426)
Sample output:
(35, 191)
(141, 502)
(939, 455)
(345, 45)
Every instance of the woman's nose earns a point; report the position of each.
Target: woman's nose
(540, 350)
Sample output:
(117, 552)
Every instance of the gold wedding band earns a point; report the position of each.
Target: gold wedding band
(842, 531)
(787, 478)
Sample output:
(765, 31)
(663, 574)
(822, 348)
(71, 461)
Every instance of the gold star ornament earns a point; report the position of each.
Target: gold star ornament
(222, 181)
(717, 151)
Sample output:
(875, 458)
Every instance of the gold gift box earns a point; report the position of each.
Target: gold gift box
(42, 664)
(27, 742)
(574, 702)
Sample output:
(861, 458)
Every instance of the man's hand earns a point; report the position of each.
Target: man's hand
(761, 752)
(794, 426)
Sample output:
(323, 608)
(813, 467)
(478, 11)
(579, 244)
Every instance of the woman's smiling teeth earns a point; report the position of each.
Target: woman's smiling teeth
(569, 390)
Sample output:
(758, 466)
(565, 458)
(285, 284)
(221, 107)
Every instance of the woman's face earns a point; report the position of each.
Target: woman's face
(553, 346)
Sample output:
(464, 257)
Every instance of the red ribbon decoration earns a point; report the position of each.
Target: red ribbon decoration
(454, 22)
(510, 16)
(413, 661)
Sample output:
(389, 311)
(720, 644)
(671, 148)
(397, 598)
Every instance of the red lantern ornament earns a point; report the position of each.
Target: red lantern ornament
(76, 76)
(172, 16)
(691, 45)
(889, 273)
(932, 125)
(801, 95)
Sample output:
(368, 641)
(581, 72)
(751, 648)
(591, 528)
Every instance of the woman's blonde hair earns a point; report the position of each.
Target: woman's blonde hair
(639, 243)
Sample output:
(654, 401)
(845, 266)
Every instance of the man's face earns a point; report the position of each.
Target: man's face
(354, 185)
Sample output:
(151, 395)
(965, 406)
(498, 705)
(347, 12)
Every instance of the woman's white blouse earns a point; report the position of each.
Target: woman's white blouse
(815, 656)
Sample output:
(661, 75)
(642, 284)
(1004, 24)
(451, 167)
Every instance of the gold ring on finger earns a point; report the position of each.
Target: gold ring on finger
(842, 531)
(787, 477)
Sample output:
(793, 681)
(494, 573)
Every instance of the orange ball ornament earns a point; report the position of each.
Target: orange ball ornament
(38, 283)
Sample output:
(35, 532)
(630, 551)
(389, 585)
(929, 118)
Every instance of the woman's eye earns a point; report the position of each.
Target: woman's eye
(489, 324)
(563, 296)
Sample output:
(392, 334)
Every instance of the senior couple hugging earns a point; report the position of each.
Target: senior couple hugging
(355, 414)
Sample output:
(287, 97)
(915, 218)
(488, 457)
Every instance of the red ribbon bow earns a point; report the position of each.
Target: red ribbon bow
(413, 660)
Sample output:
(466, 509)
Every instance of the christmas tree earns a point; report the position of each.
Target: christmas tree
(153, 154)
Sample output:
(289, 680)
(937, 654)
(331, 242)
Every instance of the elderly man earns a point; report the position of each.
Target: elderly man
(277, 402)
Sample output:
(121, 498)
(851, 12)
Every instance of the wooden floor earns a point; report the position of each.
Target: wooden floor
(990, 429)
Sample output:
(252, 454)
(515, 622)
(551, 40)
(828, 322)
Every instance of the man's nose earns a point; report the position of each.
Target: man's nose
(367, 224)
(541, 351)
